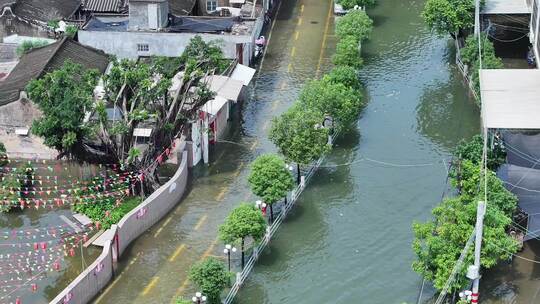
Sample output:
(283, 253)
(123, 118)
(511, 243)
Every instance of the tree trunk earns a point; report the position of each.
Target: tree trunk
(271, 214)
(243, 254)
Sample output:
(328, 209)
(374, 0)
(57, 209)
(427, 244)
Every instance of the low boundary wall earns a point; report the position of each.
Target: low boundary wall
(94, 278)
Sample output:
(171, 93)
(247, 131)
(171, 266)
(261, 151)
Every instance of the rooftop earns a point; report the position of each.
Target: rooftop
(44, 11)
(39, 61)
(177, 24)
(510, 98)
(505, 7)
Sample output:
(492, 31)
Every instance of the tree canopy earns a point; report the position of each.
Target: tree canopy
(245, 220)
(211, 277)
(63, 96)
(139, 94)
(439, 242)
(448, 16)
(348, 53)
(269, 178)
(338, 101)
(355, 23)
(345, 75)
(299, 135)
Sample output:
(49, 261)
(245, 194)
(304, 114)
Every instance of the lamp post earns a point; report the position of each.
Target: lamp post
(199, 298)
(228, 249)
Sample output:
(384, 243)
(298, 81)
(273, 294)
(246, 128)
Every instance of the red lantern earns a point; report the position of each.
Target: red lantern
(36, 246)
(56, 266)
(18, 301)
(34, 287)
(71, 252)
(98, 224)
(44, 246)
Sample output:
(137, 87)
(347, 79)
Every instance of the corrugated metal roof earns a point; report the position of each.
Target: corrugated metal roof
(103, 5)
(505, 7)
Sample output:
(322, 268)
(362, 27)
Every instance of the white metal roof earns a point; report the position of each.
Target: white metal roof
(243, 73)
(505, 7)
(22, 131)
(225, 87)
(213, 106)
(510, 98)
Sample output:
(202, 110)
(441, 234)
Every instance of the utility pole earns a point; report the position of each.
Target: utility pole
(476, 18)
(473, 272)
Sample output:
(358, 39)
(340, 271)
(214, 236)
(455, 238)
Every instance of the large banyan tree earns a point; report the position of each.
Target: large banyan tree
(142, 94)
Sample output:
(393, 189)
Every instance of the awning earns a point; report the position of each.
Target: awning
(505, 7)
(225, 87)
(142, 132)
(213, 106)
(243, 73)
(510, 98)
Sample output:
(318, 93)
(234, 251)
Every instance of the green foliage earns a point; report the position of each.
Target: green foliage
(345, 75)
(350, 4)
(53, 23)
(3, 155)
(183, 301)
(348, 53)
(245, 220)
(448, 16)
(438, 243)
(269, 178)
(355, 23)
(299, 136)
(7, 185)
(27, 45)
(203, 56)
(338, 101)
(71, 31)
(472, 151)
(211, 277)
(63, 96)
(469, 56)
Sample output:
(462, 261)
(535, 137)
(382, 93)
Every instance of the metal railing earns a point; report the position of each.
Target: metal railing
(289, 203)
(464, 69)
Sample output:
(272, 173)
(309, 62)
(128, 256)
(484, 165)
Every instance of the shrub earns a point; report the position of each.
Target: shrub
(211, 277)
(348, 53)
(355, 23)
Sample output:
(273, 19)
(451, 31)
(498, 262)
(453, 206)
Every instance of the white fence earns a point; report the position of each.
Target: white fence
(271, 230)
(94, 278)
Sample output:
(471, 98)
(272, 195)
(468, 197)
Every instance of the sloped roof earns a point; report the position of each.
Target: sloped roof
(104, 5)
(45, 10)
(45, 59)
(181, 7)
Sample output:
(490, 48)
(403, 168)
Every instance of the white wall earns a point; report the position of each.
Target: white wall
(124, 44)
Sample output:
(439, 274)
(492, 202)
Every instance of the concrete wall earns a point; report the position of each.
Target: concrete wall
(139, 13)
(153, 208)
(124, 44)
(88, 284)
(94, 278)
(20, 113)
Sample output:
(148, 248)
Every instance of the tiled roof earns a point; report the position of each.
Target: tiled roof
(45, 59)
(104, 5)
(45, 10)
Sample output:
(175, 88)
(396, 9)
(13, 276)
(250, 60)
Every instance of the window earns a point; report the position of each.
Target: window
(143, 47)
(211, 5)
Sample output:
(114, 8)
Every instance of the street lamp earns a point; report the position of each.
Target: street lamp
(228, 249)
(199, 298)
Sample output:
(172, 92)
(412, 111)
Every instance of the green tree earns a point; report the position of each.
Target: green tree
(27, 45)
(71, 31)
(449, 16)
(350, 4)
(183, 301)
(244, 221)
(355, 23)
(345, 75)
(204, 56)
(270, 179)
(299, 135)
(338, 101)
(211, 277)
(348, 53)
(63, 96)
(472, 150)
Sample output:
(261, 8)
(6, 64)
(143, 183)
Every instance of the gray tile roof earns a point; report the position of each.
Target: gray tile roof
(181, 7)
(45, 59)
(45, 10)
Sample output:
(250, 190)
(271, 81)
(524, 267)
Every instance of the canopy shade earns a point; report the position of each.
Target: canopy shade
(505, 7)
(510, 98)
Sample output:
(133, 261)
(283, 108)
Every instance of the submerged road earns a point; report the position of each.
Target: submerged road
(154, 268)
